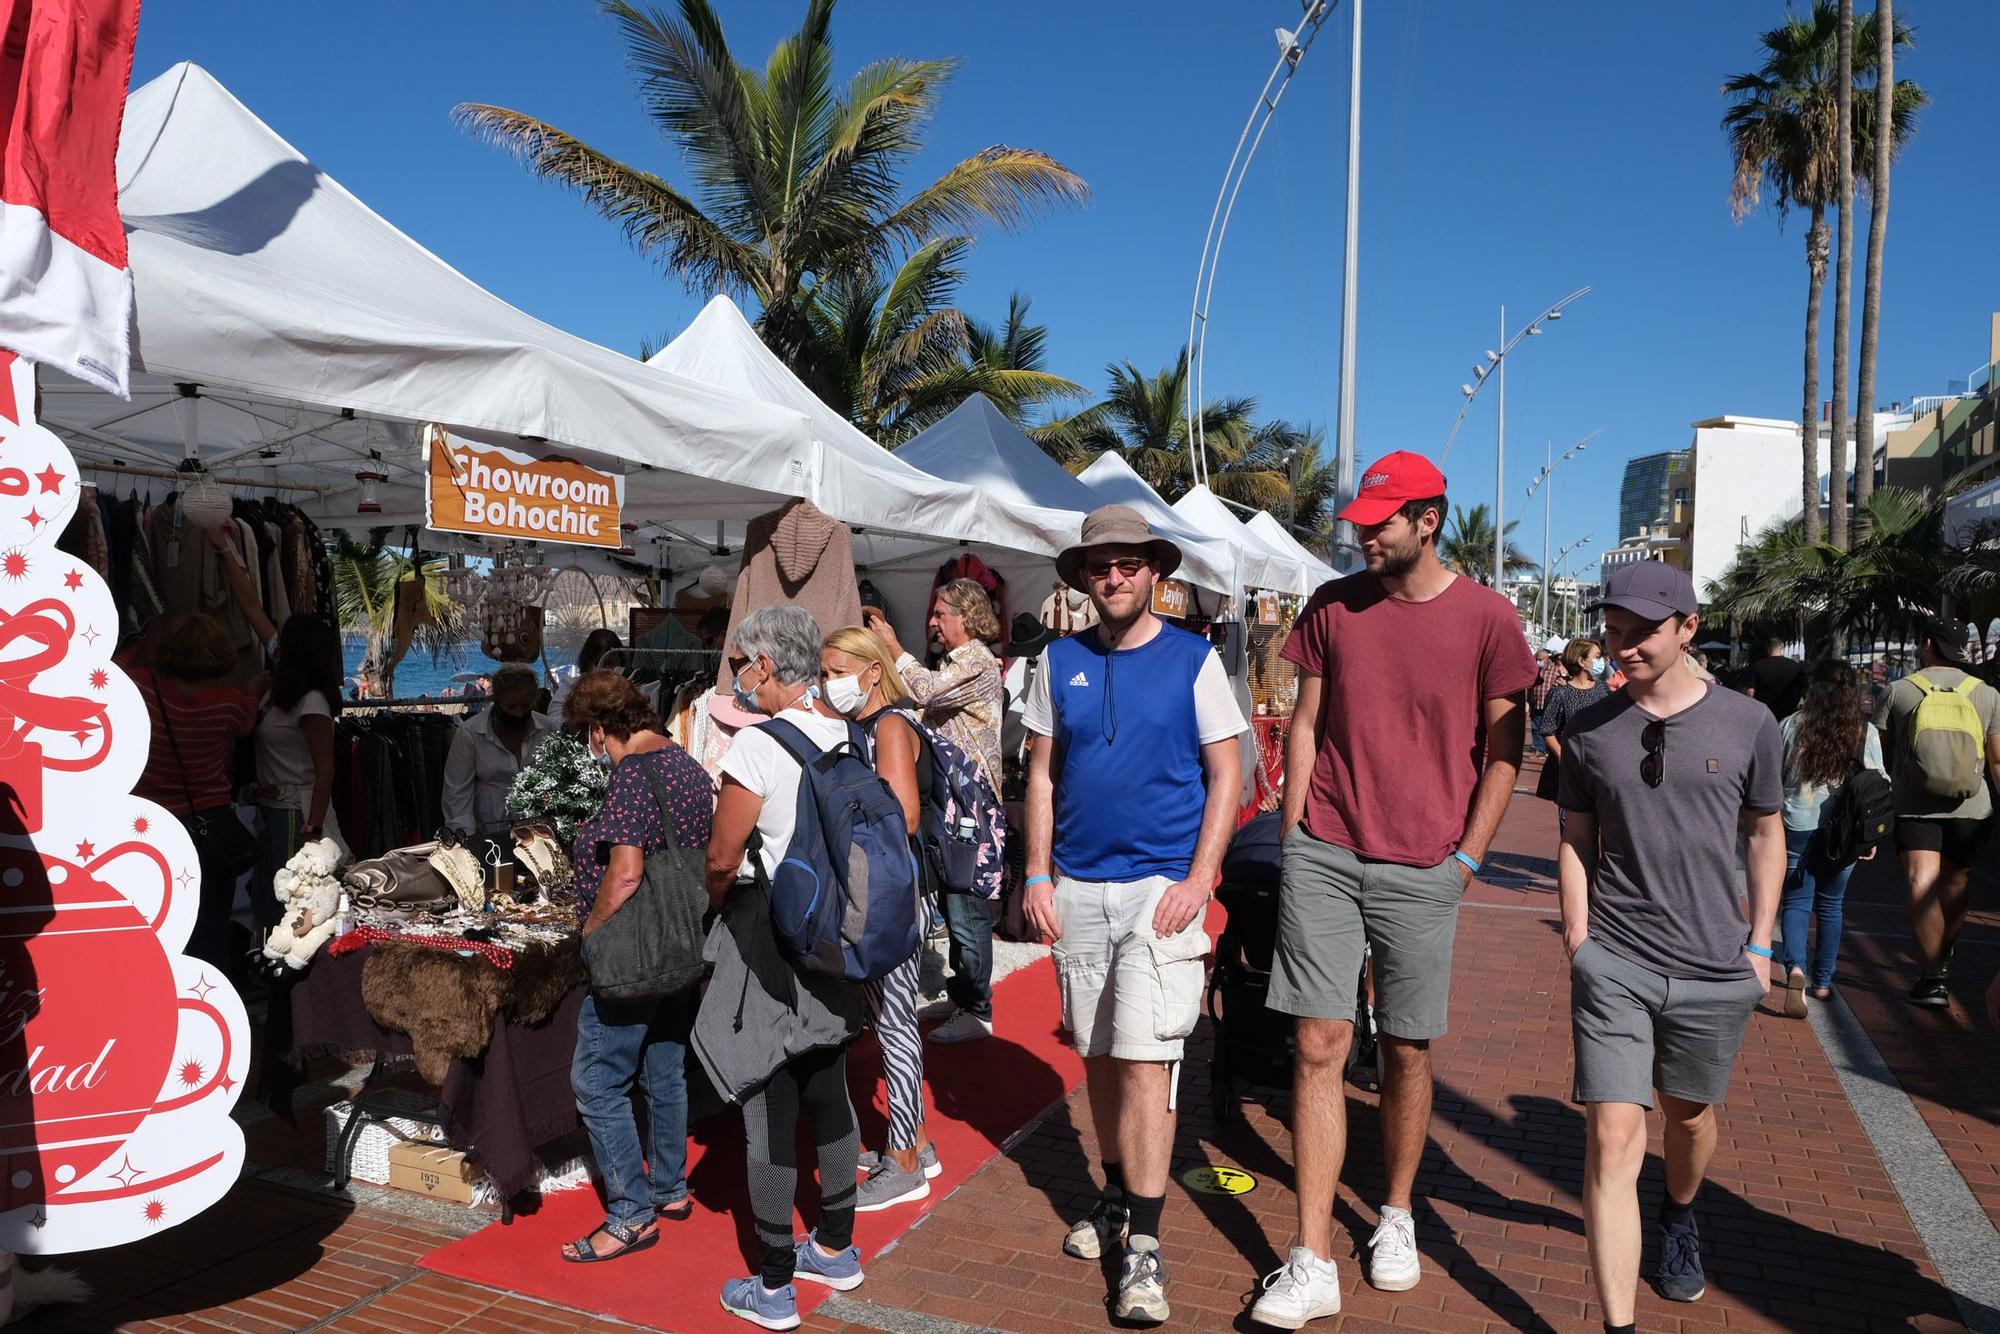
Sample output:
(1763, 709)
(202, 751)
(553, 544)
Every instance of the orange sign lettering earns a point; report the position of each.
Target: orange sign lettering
(494, 492)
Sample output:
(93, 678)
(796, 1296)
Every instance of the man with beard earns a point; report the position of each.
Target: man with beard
(1132, 792)
(1405, 744)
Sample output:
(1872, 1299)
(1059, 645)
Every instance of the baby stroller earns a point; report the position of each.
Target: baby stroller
(1254, 1045)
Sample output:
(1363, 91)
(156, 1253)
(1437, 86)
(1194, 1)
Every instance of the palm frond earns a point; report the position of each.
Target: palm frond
(1002, 186)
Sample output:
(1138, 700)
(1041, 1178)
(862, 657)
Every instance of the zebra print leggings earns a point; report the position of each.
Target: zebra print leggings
(892, 1004)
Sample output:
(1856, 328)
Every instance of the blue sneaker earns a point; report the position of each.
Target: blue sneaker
(748, 1299)
(1680, 1274)
(840, 1272)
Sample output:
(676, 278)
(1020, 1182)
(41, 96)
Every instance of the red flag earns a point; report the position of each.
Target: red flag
(65, 287)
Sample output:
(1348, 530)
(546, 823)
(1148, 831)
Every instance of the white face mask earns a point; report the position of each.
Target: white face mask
(846, 694)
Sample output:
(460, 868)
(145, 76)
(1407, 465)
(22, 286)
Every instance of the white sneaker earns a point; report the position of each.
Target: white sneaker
(1142, 1285)
(1307, 1288)
(1392, 1252)
(964, 1026)
(1107, 1222)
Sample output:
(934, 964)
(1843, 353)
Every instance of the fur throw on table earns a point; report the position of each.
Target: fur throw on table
(447, 1002)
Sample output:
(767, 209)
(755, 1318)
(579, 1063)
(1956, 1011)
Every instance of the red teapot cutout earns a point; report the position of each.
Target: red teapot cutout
(91, 1029)
(49, 626)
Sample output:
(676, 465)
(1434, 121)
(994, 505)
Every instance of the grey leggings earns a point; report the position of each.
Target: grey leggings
(892, 1004)
(817, 1084)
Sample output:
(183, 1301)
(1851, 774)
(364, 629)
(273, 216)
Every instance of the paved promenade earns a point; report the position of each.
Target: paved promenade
(1855, 1186)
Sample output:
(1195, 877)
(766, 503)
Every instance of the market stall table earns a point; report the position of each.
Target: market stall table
(497, 1107)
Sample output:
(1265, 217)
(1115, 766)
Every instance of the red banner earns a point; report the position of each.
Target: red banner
(65, 288)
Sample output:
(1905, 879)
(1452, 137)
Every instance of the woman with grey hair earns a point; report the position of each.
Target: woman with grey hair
(770, 1036)
(962, 700)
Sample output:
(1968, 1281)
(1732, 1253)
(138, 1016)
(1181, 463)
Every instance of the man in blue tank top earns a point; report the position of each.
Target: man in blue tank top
(1132, 791)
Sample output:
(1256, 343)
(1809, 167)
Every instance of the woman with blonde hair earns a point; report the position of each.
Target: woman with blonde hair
(859, 680)
(962, 700)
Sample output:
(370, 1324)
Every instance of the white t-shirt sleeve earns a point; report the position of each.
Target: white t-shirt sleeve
(752, 760)
(1216, 715)
(313, 704)
(1036, 713)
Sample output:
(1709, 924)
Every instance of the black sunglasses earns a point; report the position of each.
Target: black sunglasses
(1653, 766)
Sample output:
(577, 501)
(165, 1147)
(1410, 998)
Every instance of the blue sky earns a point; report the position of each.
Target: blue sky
(1511, 154)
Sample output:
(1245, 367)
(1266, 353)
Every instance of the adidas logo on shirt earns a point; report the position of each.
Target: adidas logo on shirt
(1079, 680)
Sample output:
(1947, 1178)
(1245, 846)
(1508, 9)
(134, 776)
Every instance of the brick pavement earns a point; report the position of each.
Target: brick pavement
(1804, 1229)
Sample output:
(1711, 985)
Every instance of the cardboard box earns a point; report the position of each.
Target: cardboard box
(433, 1170)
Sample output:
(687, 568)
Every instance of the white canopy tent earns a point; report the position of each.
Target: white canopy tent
(1258, 563)
(977, 445)
(907, 521)
(311, 335)
(1274, 533)
(290, 337)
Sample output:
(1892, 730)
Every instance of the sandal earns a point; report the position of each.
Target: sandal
(629, 1239)
(678, 1212)
(1795, 996)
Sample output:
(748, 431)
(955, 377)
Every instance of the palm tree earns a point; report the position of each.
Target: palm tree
(1883, 585)
(1012, 361)
(1781, 129)
(1283, 472)
(367, 577)
(1466, 545)
(1143, 419)
(894, 355)
(795, 180)
(1888, 137)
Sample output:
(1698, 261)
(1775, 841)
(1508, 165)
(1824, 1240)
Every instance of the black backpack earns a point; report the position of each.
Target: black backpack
(1857, 816)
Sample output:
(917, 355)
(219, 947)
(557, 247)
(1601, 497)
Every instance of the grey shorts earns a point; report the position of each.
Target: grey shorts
(1636, 1030)
(1332, 902)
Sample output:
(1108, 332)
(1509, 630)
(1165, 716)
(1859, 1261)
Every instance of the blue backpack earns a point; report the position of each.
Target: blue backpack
(844, 899)
(964, 826)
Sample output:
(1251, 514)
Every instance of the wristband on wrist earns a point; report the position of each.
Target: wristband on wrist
(1471, 863)
(1036, 880)
(1761, 951)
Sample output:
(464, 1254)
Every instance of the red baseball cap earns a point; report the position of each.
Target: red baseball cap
(1391, 482)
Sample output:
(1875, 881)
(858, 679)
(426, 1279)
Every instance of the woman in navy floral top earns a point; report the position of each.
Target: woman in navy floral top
(618, 1041)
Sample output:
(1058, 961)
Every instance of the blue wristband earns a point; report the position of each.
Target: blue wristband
(1469, 862)
(1756, 949)
(1036, 880)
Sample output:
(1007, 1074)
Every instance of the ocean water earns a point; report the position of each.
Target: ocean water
(418, 675)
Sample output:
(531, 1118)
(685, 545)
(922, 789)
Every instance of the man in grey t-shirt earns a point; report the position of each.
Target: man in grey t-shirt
(1939, 837)
(1658, 782)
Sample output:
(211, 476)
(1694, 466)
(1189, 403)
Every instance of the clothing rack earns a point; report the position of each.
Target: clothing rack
(440, 702)
(176, 475)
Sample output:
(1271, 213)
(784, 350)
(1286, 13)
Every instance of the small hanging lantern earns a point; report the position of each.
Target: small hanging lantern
(370, 478)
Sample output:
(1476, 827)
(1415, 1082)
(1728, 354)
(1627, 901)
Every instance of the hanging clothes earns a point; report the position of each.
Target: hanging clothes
(1067, 611)
(799, 556)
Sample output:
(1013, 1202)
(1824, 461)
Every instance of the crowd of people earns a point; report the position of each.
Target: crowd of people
(1673, 789)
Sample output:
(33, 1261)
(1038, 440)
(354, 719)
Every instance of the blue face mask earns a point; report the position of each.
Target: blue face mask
(1599, 667)
(744, 699)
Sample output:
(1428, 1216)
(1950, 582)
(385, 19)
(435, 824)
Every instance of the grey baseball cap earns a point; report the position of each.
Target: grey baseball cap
(1650, 589)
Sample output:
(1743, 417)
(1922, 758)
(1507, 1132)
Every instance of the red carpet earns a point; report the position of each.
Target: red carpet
(981, 1093)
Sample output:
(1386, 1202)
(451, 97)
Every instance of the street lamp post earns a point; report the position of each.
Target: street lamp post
(1498, 360)
(1573, 615)
(1548, 493)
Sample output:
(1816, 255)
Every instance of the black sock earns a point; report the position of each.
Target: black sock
(1114, 1177)
(1146, 1211)
(1627, 1328)
(1675, 1213)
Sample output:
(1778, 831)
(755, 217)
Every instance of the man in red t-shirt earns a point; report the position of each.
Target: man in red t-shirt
(1405, 744)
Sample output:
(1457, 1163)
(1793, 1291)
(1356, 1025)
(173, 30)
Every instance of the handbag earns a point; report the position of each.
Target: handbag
(401, 879)
(222, 844)
(652, 945)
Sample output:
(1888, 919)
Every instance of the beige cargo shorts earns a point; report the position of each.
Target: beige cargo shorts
(1126, 993)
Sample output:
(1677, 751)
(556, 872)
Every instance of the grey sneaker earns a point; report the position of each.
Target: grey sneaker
(965, 1026)
(1107, 1222)
(1142, 1286)
(1680, 1276)
(889, 1185)
(926, 1158)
